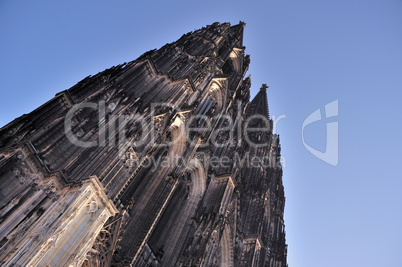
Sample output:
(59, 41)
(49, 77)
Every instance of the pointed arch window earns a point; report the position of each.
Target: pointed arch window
(211, 101)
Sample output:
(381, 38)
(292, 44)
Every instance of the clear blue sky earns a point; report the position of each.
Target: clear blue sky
(309, 52)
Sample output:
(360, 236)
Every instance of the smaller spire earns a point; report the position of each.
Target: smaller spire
(259, 104)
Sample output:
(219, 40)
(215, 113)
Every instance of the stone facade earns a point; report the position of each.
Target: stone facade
(162, 161)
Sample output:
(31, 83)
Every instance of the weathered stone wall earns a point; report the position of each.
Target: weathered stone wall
(77, 187)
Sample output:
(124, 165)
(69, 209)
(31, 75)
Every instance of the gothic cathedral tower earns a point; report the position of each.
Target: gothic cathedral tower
(162, 161)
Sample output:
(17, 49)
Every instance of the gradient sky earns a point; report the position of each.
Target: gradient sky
(309, 52)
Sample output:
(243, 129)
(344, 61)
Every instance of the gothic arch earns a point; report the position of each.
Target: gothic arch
(235, 58)
(175, 239)
(228, 68)
(211, 248)
(198, 178)
(216, 93)
(214, 97)
(226, 259)
(178, 142)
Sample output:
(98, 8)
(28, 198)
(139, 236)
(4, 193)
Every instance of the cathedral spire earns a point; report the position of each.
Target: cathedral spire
(152, 193)
(264, 87)
(259, 104)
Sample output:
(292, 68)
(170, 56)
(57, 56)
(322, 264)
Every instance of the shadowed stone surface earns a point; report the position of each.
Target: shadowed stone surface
(111, 202)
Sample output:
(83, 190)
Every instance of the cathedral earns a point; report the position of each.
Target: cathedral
(161, 161)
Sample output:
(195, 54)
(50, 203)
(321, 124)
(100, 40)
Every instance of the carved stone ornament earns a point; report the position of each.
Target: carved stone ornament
(93, 206)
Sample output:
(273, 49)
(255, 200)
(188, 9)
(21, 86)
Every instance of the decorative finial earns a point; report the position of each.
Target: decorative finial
(264, 87)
